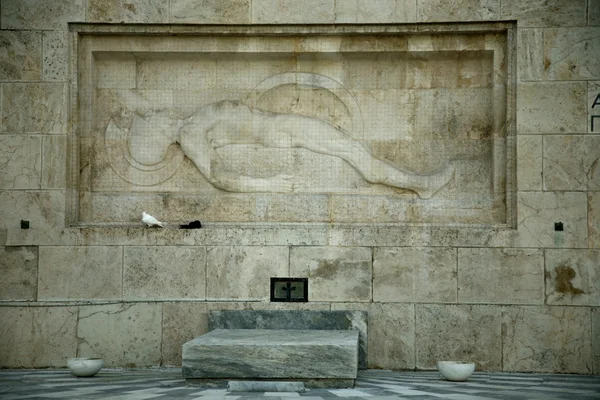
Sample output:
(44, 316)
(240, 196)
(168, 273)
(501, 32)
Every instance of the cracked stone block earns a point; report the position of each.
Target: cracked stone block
(383, 11)
(19, 270)
(46, 15)
(20, 161)
(20, 55)
(132, 11)
(545, 13)
(124, 335)
(529, 162)
(572, 163)
(292, 11)
(210, 11)
(547, 339)
(530, 54)
(55, 56)
(572, 53)
(54, 156)
(572, 277)
(466, 10)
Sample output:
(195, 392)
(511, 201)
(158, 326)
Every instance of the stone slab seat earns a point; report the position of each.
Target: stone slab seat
(320, 358)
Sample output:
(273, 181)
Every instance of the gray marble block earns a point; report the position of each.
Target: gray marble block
(295, 319)
(271, 354)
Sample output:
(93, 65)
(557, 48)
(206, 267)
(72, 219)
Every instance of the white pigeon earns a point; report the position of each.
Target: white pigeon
(150, 220)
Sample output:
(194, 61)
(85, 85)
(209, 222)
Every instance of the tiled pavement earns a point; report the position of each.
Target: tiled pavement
(163, 384)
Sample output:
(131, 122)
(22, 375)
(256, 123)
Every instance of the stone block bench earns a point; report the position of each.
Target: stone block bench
(319, 358)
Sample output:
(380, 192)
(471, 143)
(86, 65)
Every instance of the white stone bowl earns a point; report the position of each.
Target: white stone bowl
(85, 366)
(456, 371)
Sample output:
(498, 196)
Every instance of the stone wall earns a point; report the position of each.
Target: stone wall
(518, 297)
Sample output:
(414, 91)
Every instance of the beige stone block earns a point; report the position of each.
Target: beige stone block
(243, 273)
(529, 162)
(47, 15)
(383, 11)
(501, 276)
(458, 332)
(334, 273)
(596, 339)
(21, 161)
(467, 10)
(133, 11)
(538, 211)
(37, 337)
(210, 11)
(547, 339)
(572, 277)
(530, 54)
(414, 274)
(594, 219)
(20, 56)
(164, 272)
(124, 335)
(54, 156)
(34, 108)
(594, 106)
(551, 107)
(571, 163)
(545, 12)
(80, 272)
(18, 267)
(385, 350)
(292, 12)
(572, 53)
(55, 56)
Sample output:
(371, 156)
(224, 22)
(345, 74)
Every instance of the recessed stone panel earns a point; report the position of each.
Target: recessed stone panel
(547, 339)
(18, 266)
(20, 56)
(572, 277)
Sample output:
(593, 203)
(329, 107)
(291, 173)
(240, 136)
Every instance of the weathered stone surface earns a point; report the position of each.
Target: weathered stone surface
(530, 54)
(551, 107)
(265, 386)
(593, 13)
(529, 162)
(594, 219)
(538, 211)
(292, 12)
(272, 353)
(20, 56)
(571, 163)
(572, 53)
(124, 335)
(134, 11)
(334, 274)
(243, 273)
(80, 273)
(501, 276)
(545, 12)
(414, 275)
(21, 161)
(164, 272)
(37, 337)
(54, 156)
(596, 339)
(547, 339)
(18, 267)
(55, 56)
(210, 11)
(572, 277)
(32, 14)
(594, 106)
(34, 108)
(295, 319)
(468, 10)
(366, 11)
(459, 332)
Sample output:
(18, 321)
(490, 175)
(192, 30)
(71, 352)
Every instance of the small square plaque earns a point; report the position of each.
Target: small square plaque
(289, 289)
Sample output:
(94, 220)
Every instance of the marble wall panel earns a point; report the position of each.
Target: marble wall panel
(293, 12)
(501, 276)
(467, 10)
(210, 11)
(414, 275)
(551, 108)
(37, 337)
(164, 272)
(46, 15)
(596, 339)
(571, 163)
(34, 108)
(458, 332)
(134, 11)
(334, 273)
(594, 219)
(547, 339)
(572, 53)
(594, 106)
(55, 56)
(545, 12)
(538, 211)
(20, 56)
(572, 277)
(529, 162)
(124, 335)
(80, 272)
(20, 161)
(366, 11)
(54, 156)
(530, 54)
(243, 273)
(18, 268)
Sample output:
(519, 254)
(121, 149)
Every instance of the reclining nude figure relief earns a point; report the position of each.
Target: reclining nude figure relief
(232, 122)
